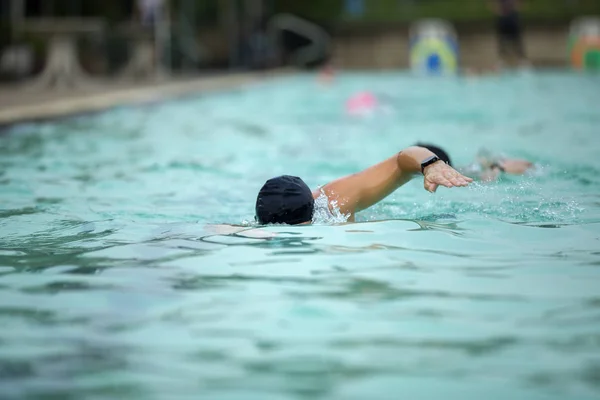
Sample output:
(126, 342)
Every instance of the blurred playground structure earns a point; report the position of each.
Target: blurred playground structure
(584, 43)
(433, 47)
(58, 44)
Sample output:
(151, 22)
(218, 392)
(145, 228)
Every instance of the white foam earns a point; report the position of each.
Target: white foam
(327, 212)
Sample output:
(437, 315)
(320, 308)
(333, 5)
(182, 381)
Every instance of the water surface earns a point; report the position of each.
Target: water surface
(114, 284)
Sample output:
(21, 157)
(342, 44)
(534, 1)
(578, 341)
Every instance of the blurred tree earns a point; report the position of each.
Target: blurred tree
(316, 10)
(112, 10)
(207, 12)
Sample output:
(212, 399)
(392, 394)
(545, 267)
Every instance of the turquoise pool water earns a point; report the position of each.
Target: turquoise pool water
(114, 283)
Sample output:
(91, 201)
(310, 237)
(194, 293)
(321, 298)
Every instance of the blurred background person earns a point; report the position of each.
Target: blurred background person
(509, 30)
(326, 75)
(149, 11)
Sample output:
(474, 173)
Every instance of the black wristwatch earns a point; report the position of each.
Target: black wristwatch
(428, 161)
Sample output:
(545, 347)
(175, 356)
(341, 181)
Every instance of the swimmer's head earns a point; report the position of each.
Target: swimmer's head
(486, 158)
(437, 151)
(284, 200)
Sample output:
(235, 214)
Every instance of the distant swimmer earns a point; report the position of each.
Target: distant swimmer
(326, 75)
(288, 200)
(487, 167)
(361, 103)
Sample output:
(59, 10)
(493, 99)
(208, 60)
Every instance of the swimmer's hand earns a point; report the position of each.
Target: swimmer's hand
(442, 174)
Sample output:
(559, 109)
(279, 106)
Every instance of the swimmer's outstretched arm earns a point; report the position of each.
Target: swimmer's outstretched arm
(359, 191)
(515, 166)
(493, 169)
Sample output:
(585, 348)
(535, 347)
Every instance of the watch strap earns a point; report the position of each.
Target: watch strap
(428, 161)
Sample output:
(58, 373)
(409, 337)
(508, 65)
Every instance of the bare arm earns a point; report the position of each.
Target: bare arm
(359, 191)
(515, 166)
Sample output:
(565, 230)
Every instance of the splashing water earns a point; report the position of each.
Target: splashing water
(327, 212)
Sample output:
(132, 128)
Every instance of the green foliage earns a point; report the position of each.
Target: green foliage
(455, 10)
(207, 12)
(316, 10)
(204, 12)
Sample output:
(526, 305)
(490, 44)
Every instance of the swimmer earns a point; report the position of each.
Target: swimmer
(288, 200)
(326, 75)
(362, 103)
(487, 166)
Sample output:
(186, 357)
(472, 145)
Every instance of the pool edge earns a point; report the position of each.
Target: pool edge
(69, 104)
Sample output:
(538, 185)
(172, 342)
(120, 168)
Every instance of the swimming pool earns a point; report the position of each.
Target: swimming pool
(114, 284)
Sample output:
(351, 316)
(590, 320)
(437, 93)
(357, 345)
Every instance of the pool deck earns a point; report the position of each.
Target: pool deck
(20, 104)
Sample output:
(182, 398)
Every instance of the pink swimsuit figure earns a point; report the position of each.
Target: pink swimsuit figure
(361, 103)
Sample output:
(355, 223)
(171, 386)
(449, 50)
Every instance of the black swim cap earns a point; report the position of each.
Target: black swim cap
(284, 200)
(437, 151)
